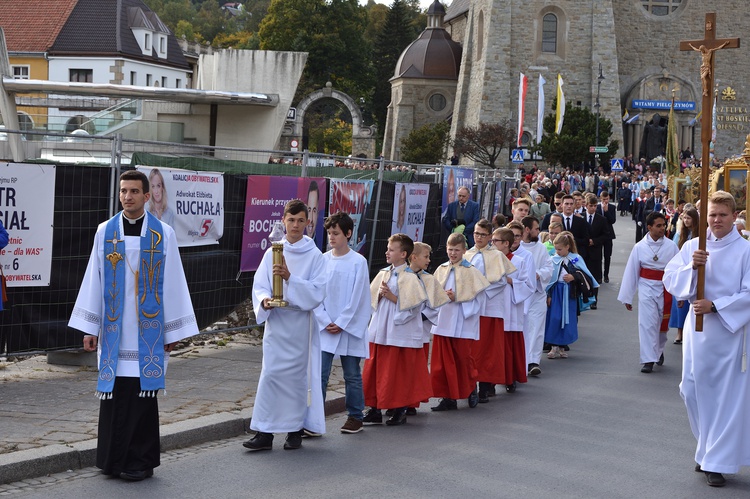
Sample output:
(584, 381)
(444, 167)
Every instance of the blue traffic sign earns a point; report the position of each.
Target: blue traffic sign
(616, 165)
(516, 155)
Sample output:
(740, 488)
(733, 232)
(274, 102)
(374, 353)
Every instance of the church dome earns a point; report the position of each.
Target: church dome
(434, 54)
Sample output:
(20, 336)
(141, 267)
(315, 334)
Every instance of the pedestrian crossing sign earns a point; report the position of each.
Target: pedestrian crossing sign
(517, 156)
(616, 165)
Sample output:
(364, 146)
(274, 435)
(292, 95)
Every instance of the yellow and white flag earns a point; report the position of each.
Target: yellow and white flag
(560, 115)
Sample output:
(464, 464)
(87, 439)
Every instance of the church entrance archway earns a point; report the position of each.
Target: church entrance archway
(658, 88)
(363, 136)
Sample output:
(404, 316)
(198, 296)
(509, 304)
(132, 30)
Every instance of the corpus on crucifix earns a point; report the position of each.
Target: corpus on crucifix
(707, 47)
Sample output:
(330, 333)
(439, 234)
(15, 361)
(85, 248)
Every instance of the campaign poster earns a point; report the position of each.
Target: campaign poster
(352, 197)
(264, 205)
(190, 202)
(498, 198)
(453, 179)
(27, 210)
(409, 210)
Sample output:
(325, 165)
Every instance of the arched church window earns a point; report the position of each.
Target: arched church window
(661, 7)
(549, 33)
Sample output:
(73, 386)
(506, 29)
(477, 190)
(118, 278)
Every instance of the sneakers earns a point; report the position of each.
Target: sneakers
(293, 440)
(352, 425)
(373, 416)
(261, 441)
(554, 353)
(310, 434)
(534, 370)
(445, 405)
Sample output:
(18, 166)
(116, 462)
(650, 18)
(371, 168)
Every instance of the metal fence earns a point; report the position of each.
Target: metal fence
(85, 195)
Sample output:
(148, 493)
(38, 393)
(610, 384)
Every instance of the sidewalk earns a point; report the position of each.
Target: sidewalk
(48, 413)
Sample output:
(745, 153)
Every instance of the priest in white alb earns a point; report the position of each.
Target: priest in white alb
(133, 306)
(715, 381)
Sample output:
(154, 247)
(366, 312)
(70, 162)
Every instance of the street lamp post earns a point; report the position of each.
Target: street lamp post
(599, 79)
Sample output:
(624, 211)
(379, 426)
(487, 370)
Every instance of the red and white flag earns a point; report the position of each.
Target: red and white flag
(524, 84)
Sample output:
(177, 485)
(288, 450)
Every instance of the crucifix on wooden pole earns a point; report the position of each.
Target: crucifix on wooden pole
(706, 47)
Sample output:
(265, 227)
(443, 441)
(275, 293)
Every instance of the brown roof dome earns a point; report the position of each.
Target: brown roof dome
(434, 54)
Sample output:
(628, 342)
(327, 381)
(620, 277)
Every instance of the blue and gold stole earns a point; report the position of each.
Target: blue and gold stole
(148, 300)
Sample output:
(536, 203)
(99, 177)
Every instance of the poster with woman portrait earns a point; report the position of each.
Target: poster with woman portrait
(190, 202)
(409, 210)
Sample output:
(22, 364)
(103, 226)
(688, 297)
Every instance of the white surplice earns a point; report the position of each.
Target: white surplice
(521, 290)
(347, 304)
(493, 303)
(289, 397)
(89, 309)
(536, 306)
(650, 293)
(393, 327)
(459, 320)
(715, 383)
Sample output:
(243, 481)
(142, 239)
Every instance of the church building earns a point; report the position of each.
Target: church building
(465, 67)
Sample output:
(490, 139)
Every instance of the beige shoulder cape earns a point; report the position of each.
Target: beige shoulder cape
(496, 264)
(411, 293)
(469, 281)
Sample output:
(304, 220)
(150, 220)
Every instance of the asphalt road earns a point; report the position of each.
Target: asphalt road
(591, 426)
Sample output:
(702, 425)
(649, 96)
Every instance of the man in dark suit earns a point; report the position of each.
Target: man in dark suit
(599, 232)
(655, 202)
(462, 212)
(576, 225)
(556, 207)
(609, 212)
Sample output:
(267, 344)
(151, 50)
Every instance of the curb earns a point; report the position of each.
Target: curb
(57, 458)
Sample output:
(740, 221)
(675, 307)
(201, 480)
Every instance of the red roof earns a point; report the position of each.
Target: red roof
(33, 25)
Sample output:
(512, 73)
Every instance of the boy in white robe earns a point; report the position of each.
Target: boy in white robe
(535, 307)
(288, 398)
(644, 272)
(344, 315)
(715, 382)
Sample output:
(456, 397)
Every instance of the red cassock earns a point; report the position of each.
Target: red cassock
(395, 377)
(454, 372)
(489, 351)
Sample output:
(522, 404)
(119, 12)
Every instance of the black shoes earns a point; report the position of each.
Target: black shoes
(373, 416)
(606, 279)
(647, 367)
(137, 476)
(660, 362)
(715, 479)
(534, 369)
(473, 399)
(593, 307)
(261, 441)
(398, 418)
(411, 411)
(511, 388)
(445, 405)
(293, 440)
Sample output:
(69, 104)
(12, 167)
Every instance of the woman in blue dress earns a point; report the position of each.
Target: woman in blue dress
(562, 310)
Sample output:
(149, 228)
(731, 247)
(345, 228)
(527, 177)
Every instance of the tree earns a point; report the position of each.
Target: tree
(571, 147)
(426, 145)
(397, 33)
(484, 142)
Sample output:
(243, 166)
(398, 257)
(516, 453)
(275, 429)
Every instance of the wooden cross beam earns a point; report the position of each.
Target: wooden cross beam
(707, 47)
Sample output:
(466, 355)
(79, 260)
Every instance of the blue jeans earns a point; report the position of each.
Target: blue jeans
(354, 395)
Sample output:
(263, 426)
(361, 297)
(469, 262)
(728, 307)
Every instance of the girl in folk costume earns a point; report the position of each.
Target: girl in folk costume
(690, 222)
(562, 317)
(396, 376)
(489, 350)
(454, 373)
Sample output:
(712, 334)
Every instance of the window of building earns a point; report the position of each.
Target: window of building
(178, 83)
(147, 41)
(133, 78)
(549, 33)
(149, 80)
(525, 139)
(82, 75)
(661, 7)
(162, 45)
(21, 72)
(437, 102)
(164, 81)
(480, 36)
